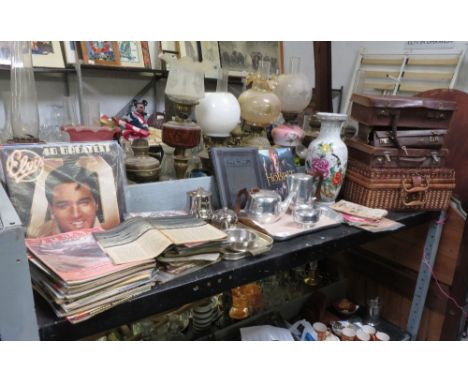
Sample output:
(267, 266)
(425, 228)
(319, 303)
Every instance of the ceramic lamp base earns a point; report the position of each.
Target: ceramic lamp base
(288, 135)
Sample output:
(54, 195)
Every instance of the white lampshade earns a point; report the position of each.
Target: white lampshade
(185, 83)
(294, 89)
(218, 114)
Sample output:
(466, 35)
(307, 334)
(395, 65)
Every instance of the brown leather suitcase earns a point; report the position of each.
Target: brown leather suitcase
(389, 157)
(400, 111)
(399, 189)
(404, 138)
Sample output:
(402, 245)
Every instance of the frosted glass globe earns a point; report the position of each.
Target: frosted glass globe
(218, 114)
(295, 92)
(259, 107)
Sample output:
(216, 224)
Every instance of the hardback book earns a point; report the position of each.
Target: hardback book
(276, 164)
(235, 169)
(57, 188)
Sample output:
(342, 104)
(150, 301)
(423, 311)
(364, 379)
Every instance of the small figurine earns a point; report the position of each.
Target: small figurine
(135, 123)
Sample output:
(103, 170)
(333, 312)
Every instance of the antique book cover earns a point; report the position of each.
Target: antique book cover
(57, 188)
(276, 164)
(75, 257)
(235, 169)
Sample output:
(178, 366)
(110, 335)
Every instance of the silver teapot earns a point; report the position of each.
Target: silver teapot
(263, 206)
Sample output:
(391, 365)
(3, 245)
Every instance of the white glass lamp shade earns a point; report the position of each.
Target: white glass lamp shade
(185, 83)
(218, 114)
(295, 92)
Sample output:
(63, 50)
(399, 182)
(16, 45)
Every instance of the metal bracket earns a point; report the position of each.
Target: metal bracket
(431, 247)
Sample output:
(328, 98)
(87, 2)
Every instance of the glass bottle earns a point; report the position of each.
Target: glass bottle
(167, 163)
(6, 133)
(25, 113)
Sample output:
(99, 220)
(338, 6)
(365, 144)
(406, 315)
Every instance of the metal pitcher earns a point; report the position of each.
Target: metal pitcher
(199, 203)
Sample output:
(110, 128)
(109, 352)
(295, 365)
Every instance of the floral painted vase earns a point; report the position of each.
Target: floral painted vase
(327, 157)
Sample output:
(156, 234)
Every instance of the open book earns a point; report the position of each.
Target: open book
(141, 238)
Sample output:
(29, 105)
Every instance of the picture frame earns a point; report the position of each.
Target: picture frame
(131, 54)
(5, 53)
(104, 53)
(47, 54)
(69, 51)
(169, 47)
(146, 54)
(189, 48)
(210, 58)
(242, 57)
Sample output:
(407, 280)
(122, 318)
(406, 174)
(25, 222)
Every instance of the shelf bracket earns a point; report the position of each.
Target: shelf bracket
(431, 247)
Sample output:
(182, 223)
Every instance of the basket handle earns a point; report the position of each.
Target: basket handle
(415, 185)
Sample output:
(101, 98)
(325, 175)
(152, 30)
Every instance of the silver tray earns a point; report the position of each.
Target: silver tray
(286, 228)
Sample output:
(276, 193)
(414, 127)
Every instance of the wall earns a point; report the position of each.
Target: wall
(114, 89)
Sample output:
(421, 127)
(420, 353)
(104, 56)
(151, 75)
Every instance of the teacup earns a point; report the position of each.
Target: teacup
(321, 330)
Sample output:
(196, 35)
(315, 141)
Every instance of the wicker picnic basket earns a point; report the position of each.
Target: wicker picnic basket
(399, 188)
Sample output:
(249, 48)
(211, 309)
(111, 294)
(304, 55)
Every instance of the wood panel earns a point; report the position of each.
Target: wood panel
(406, 247)
(395, 307)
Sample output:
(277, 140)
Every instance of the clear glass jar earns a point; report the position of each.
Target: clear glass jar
(167, 163)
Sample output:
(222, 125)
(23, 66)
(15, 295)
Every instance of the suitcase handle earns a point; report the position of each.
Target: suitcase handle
(412, 160)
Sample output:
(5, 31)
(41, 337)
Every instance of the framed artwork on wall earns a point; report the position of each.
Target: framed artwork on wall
(241, 57)
(169, 46)
(101, 53)
(69, 52)
(146, 54)
(47, 54)
(131, 54)
(189, 48)
(5, 53)
(210, 58)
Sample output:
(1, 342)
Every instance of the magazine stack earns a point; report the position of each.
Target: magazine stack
(78, 279)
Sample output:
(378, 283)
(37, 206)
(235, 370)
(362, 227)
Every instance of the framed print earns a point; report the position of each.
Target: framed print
(131, 54)
(241, 57)
(169, 46)
(146, 54)
(210, 58)
(69, 51)
(5, 53)
(101, 53)
(47, 54)
(189, 48)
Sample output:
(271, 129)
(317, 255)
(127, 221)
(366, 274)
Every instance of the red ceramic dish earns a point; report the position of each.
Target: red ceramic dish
(87, 133)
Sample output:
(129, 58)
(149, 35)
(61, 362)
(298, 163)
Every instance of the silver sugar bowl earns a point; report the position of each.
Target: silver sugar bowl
(224, 218)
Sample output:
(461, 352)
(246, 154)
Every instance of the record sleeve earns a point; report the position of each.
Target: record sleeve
(57, 188)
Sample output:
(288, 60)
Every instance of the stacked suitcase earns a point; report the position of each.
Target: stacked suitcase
(397, 161)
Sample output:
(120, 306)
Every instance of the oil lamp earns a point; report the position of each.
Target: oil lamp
(185, 86)
(259, 106)
(295, 92)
